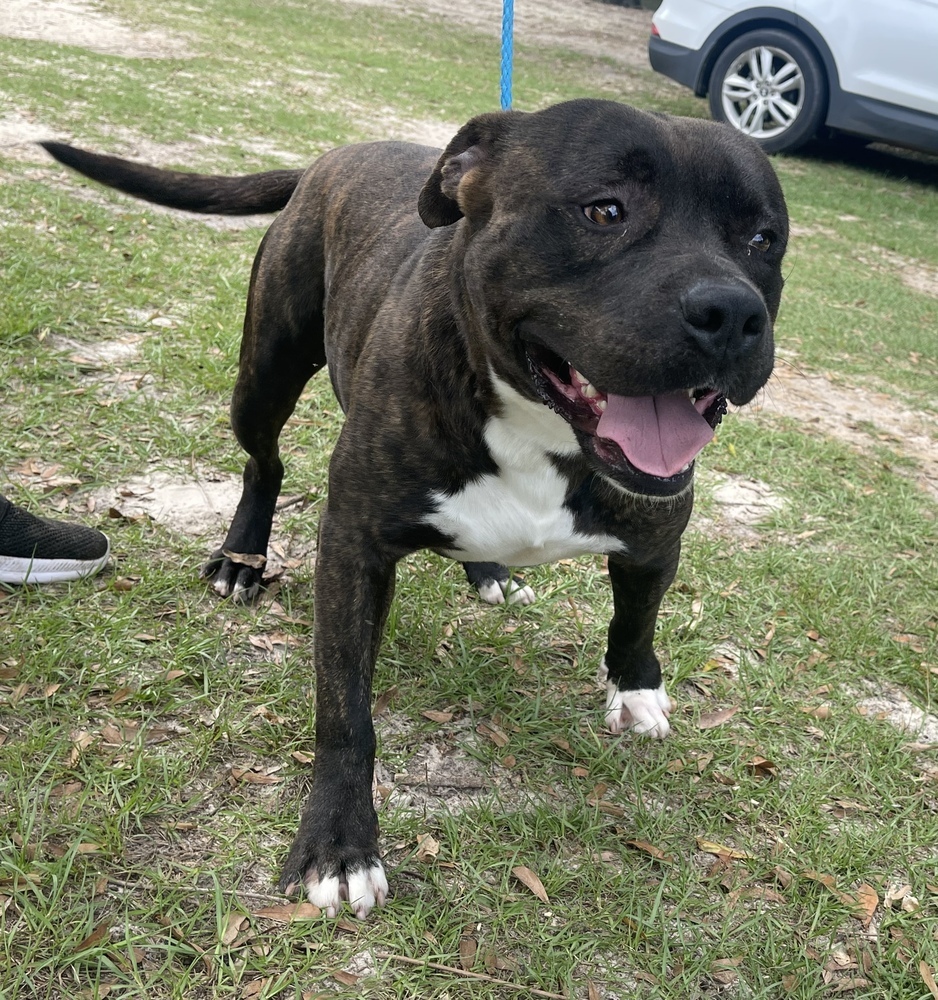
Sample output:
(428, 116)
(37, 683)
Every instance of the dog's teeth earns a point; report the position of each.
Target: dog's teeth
(601, 404)
(584, 385)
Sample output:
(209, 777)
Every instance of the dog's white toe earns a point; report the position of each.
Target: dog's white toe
(491, 592)
(367, 888)
(326, 893)
(245, 595)
(506, 591)
(517, 593)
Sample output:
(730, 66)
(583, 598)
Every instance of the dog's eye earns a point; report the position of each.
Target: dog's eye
(605, 213)
(761, 241)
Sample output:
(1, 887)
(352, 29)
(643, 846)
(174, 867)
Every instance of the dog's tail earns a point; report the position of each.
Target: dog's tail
(246, 195)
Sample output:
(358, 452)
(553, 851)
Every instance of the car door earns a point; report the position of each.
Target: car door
(884, 49)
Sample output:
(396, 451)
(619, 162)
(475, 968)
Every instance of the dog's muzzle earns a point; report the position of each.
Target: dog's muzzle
(646, 443)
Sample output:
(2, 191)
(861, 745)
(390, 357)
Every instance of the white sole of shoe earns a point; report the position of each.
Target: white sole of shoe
(16, 570)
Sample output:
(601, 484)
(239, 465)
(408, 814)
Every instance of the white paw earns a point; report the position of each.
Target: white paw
(365, 888)
(510, 591)
(644, 711)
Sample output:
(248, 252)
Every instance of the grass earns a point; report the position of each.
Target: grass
(156, 742)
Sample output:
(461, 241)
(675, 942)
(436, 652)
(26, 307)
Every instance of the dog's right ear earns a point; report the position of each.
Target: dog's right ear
(462, 166)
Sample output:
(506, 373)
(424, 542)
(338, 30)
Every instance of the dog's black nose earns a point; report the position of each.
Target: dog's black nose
(725, 318)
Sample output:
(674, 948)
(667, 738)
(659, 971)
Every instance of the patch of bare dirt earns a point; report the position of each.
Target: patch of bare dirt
(200, 504)
(856, 414)
(19, 135)
(587, 26)
(741, 504)
(386, 123)
(914, 274)
(439, 776)
(77, 23)
(891, 704)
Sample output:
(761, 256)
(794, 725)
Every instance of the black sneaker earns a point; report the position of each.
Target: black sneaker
(37, 550)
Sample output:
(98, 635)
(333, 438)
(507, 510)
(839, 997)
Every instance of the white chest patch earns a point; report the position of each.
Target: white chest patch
(517, 516)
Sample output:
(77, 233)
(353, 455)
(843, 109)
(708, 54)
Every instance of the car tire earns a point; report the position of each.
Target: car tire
(770, 84)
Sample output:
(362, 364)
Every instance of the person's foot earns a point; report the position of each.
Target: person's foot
(37, 550)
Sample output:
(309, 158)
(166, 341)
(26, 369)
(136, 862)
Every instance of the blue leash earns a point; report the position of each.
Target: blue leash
(508, 21)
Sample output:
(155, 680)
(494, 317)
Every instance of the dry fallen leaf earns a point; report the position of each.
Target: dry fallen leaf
(492, 732)
(785, 877)
(428, 847)
(827, 880)
(527, 878)
(928, 977)
(434, 716)
(252, 559)
(709, 847)
(655, 852)
(383, 701)
(863, 901)
(99, 935)
(710, 720)
(846, 985)
(761, 767)
(252, 777)
(286, 912)
(345, 978)
(232, 928)
(467, 953)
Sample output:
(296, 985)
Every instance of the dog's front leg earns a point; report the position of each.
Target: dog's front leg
(335, 853)
(635, 694)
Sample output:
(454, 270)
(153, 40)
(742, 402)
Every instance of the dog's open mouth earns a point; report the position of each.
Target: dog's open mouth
(649, 442)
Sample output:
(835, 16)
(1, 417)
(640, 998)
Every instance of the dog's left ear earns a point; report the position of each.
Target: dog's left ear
(474, 146)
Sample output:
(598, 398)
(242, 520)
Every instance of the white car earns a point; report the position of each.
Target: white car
(782, 72)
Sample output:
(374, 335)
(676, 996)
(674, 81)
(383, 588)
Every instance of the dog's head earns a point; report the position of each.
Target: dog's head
(630, 262)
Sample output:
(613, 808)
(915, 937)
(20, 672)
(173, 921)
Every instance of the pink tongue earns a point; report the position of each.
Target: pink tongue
(657, 434)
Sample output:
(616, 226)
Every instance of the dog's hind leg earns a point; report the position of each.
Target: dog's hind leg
(281, 349)
(496, 585)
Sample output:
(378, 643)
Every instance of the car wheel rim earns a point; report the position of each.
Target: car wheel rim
(763, 92)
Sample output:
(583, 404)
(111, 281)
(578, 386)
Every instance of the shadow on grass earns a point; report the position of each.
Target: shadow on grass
(890, 161)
